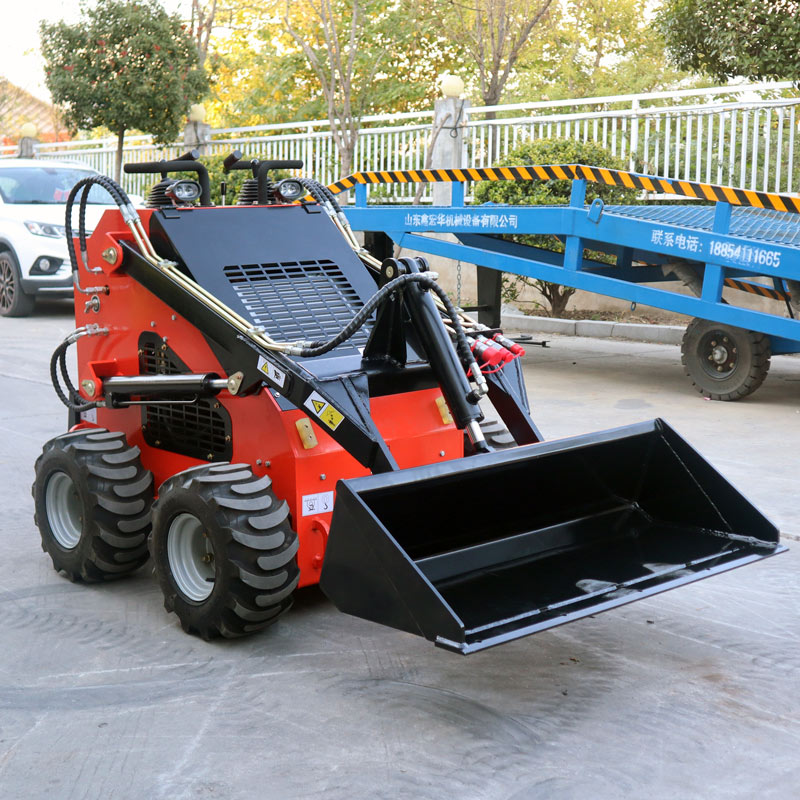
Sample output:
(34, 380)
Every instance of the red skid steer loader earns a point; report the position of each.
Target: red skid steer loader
(261, 406)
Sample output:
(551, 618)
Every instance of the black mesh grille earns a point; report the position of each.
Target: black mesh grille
(156, 359)
(201, 429)
(309, 300)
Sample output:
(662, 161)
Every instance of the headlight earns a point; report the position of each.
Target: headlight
(46, 229)
(183, 192)
(290, 190)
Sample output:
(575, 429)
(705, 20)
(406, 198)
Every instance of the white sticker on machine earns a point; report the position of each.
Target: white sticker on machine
(319, 503)
(90, 415)
(277, 376)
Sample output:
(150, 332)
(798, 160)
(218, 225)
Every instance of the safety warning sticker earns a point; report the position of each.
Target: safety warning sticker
(321, 408)
(319, 503)
(277, 376)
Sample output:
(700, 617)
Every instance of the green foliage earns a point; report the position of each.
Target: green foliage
(757, 39)
(262, 74)
(551, 192)
(125, 65)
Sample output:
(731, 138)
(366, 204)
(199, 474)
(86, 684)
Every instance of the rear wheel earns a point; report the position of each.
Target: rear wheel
(224, 550)
(92, 499)
(13, 300)
(724, 363)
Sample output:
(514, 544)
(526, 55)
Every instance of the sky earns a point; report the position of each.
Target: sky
(20, 60)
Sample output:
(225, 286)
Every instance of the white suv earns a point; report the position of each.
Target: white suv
(33, 246)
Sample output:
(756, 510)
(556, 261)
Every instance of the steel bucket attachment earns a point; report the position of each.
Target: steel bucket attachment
(476, 552)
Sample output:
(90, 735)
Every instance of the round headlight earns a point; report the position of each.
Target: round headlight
(290, 190)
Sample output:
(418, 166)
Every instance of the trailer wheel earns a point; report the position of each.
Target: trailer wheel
(224, 550)
(14, 302)
(92, 498)
(724, 363)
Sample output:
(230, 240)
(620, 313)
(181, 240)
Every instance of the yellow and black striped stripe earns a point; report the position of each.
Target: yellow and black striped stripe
(757, 289)
(611, 177)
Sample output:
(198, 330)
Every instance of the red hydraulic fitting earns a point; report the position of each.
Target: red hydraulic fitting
(486, 351)
(516, 349)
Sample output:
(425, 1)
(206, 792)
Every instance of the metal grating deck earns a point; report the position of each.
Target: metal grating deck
(763, 225)
(309, 300)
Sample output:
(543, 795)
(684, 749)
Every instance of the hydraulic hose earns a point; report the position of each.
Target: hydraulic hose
(71, 398)
(429, 282)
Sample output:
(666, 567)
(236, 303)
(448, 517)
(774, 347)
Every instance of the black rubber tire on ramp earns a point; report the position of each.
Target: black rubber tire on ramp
(224, 551)
(93, 499)
(724, 362)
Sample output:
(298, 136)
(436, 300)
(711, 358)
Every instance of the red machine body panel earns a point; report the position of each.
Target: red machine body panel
(263, 435)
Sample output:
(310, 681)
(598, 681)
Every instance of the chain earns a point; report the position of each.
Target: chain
(458, 284)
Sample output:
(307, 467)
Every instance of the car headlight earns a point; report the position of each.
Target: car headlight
(46, 229)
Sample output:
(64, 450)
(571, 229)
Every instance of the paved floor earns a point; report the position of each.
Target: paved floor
(691, 694)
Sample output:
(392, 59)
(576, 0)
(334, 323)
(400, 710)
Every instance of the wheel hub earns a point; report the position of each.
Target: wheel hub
(64, 513)
(6, 284)
(191, 557)
(718, 354)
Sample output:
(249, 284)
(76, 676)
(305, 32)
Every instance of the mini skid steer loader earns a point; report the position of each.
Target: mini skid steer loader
(261, 406)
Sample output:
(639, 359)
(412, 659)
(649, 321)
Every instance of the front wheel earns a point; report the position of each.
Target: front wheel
(724, 363)
(224, 550)
(92, 498)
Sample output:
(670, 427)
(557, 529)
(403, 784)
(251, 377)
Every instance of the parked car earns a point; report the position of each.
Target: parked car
(33, 247)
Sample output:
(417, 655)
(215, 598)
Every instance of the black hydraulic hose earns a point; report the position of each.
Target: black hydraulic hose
(313, 189)
(71, 398)
(119, 196)
(321, 193)
(358, 321)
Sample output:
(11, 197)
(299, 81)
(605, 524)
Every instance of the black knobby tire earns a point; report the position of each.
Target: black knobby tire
(724, 362)
(13, 300)
(224, 551)
(93, 500)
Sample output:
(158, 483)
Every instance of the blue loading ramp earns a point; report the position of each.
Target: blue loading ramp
(717, 237)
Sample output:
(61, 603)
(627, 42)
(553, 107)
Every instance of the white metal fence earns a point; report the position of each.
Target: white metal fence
(747, 136)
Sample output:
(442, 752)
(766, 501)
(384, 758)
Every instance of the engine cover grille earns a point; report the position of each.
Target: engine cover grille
(201, 429)
(309, 300)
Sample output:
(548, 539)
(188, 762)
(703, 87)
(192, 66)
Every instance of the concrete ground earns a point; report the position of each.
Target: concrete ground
(690, 694)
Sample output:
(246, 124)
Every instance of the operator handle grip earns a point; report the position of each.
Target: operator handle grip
(264, 166)
(292, 164)
(163, 167)
(154, 167)
(230, 160)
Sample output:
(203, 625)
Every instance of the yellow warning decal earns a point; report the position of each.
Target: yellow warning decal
(321, 408)
(331, 417)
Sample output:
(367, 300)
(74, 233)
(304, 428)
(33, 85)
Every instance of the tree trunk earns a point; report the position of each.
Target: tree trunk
(346, 154)
(118, 163)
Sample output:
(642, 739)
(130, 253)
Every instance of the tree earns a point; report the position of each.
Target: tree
(495, 35)
(756, 39)
(202, 25)
(339, 59)
(360, 53)
(599, 47)
(124, 66)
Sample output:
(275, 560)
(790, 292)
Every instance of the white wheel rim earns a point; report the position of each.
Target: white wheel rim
(191, 557)
(64, 513)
